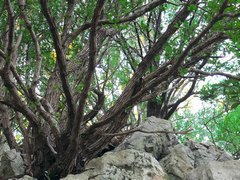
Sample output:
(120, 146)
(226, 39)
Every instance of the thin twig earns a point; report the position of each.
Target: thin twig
(50, 146)
(214, 73)
(143, 131)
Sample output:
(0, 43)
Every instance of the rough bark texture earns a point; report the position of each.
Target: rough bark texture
(62, 134)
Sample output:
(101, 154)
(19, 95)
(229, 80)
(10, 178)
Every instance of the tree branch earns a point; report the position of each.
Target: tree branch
(183, 55)
(19, 80)
(150, 132)
(159, 90)
(213, 39)
(96, 108)
(16, 101)
(61, 59)
(7, 129)
(91, 68)
(214, 20)
(2, 54)
(189, 93)
(131, 17)
(25, 141)
(232, 15)
(36, 45)
(67, 21)
(126, 100)
(50, 146)
(11, 20)
(52, 122)
(214, 73)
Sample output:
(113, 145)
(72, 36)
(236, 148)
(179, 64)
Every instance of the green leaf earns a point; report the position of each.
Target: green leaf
(183, 71)
(176, 25)
(235, 105)
(192, 7)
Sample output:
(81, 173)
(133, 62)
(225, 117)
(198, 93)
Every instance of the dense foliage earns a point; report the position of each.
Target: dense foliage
(217, 119)
(215, 123)
(74, 73)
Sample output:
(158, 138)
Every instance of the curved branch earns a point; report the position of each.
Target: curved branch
(131, 17)
(19, 80)
(46, 115)
(16, 101)
(183, 55)
(36, 45)
(60, 57)
(7, 129)
(214, 73)
(189, 93)
(160, 90)
(26, 142)
(91, 68)
(126, 100)
(149, 132)
(96, 108)
(2, 54)
(213, 39)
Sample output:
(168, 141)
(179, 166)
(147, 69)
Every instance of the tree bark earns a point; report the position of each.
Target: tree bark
(7, 129)
(154, 108)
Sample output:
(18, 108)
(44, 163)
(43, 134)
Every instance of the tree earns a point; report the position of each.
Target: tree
(226, 92)
(72, 72)
(214, 123)
(218, 120)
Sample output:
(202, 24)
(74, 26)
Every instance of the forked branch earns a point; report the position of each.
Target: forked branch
(61, 59)
(91, 69)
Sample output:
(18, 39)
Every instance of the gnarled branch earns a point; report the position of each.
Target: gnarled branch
(149, 132)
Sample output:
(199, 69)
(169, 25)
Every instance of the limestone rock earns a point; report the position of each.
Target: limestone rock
(178, 162)
(216, 171)
(126, 164)
(154, 143)
(26, 177)
(206, 152)
(136, 159)
(182, 159)
(2, 139)
(3, 146)
(12, 164)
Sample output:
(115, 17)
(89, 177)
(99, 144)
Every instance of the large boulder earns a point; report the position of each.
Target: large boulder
(126, 164)
(178, 162)
(3, 146)
(216, 171)
(182, 159)
(154, 143)
(206, 152)
(136, 158)
(12, 164)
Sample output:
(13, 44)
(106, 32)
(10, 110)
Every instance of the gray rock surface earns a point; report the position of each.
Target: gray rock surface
(12, 164)
(178, 162)
(182, 159)
(3, 146)
(229, 170)
(127, 164)
(206, 152)
(155, 143)
(136, 158)
(26, 177)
